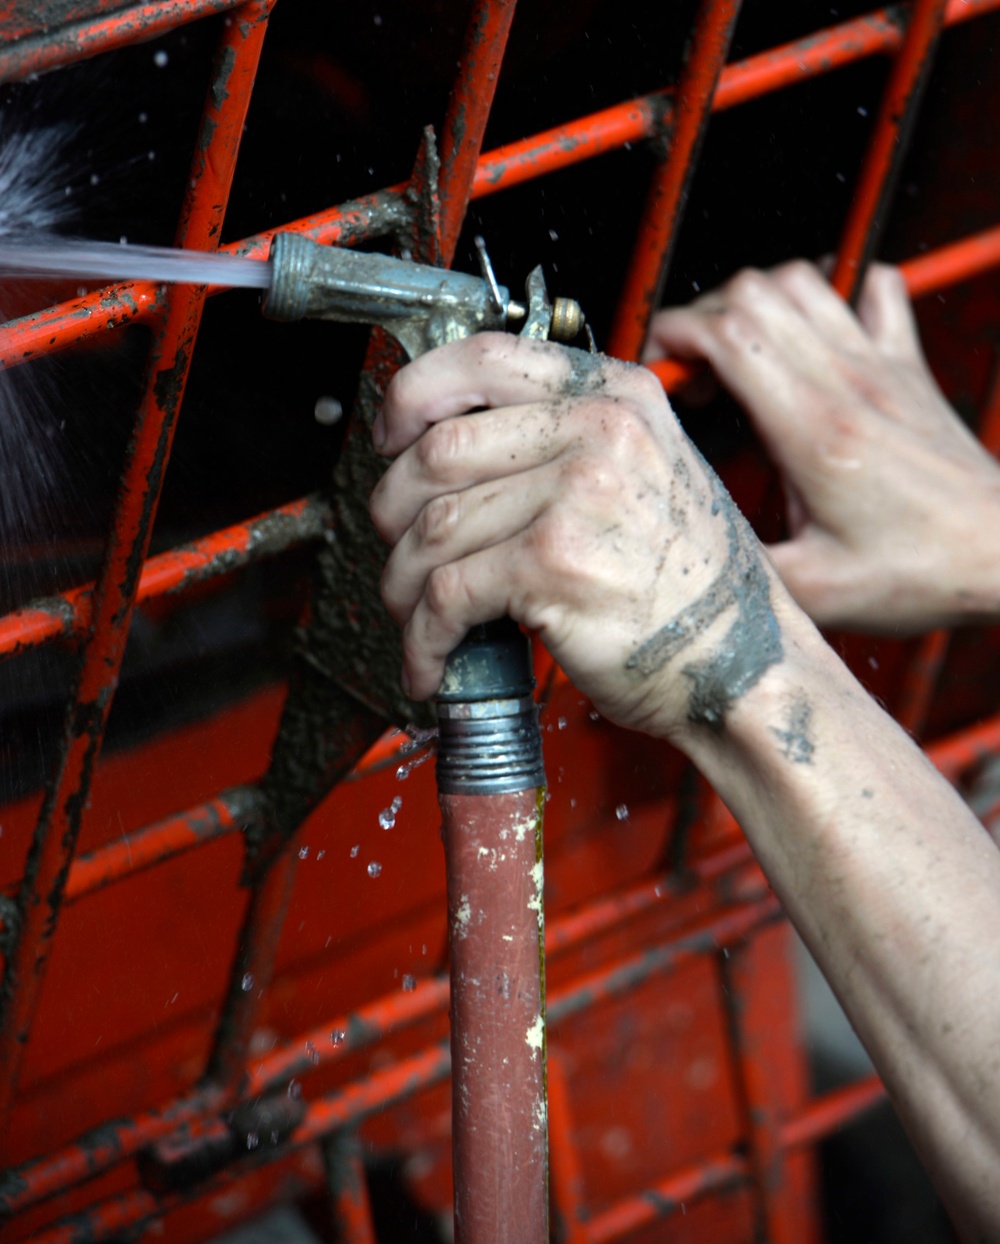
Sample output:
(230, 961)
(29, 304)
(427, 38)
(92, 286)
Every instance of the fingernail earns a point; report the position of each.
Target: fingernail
(378, 431)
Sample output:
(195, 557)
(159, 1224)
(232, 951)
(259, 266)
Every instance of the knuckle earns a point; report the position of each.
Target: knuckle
(438, 520)
(746, 288)
(443, 447)
(444, 590)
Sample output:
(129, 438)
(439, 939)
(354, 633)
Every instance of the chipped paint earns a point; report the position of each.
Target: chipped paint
(535, 1036)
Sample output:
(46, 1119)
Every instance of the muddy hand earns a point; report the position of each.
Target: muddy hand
(893, 505)
(574, 503)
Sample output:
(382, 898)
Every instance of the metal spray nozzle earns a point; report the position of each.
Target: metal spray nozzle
(420, 306)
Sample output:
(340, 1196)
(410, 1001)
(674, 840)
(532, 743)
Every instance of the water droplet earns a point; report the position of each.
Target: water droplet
(338, 1036)
(386, 818)
(328, 411)
(143, 118)
(354, 851)
(622, 811)
(303, 853)
(294, 1089)
(247, 982)
(374, 868)
(253, 1140)
(94, 179)
(160, 58)
(862, 112)
(320, 854)
(562, 723)
(312, 1053)
(409, 983)
(402, 773)
(553, 235)
(594, 715)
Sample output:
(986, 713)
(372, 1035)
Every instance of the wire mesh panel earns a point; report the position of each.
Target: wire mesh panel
(223, 917)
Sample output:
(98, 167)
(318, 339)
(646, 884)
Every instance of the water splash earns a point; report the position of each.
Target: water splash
(387, 817)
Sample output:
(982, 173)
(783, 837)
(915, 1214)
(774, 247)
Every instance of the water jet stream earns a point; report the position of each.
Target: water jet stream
(122, 262)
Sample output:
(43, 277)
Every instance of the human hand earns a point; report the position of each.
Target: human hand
(893, 506)
(574, 503)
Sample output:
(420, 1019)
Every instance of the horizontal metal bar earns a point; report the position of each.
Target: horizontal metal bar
(756, 76)
(67, 616)
(668, 1197)
(111, 307)
(313, 1050)
(955, 753)
(826, 1114)
(375, 215)
(926, 274)
(166, 839)
(76, 41)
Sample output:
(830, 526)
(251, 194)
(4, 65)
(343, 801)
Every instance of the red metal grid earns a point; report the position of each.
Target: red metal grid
(100, 615)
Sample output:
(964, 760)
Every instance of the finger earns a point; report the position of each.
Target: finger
(885, 311)
(820, 305)
(764, 352)
(462, 452)
(456, 596)
(488, 369)
(452, 526)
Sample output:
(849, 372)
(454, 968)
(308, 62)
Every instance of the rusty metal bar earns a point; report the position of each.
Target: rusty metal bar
(54, 843)
(351, 1203)
(668, 1197)
(826, 1114)
(528, 158)
(920, 679)
(468, 112)
(960, 751)
(76, 41)
(682, 140)
(926, 274)
(68, 615)
(638, 119)
(346, 1034)
(781, 1218)
(384, 1088)
(890, 138)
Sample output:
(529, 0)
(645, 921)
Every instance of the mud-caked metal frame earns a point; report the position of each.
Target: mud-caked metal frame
(96, 617)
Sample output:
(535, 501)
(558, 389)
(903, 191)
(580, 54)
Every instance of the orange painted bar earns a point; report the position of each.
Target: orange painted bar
(889, 141)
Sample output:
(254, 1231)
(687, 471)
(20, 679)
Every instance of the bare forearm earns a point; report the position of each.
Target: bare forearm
(895, 887)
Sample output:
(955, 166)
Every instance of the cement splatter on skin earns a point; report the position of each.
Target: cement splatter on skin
(588, 373)
(796, 744)
(752, 644)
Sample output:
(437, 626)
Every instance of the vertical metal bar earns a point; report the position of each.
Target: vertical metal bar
(345, 1172)
(920, 680)
(468, 112)
(54, 842)
(766, 1081)
(887, 148)
(668, 193)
